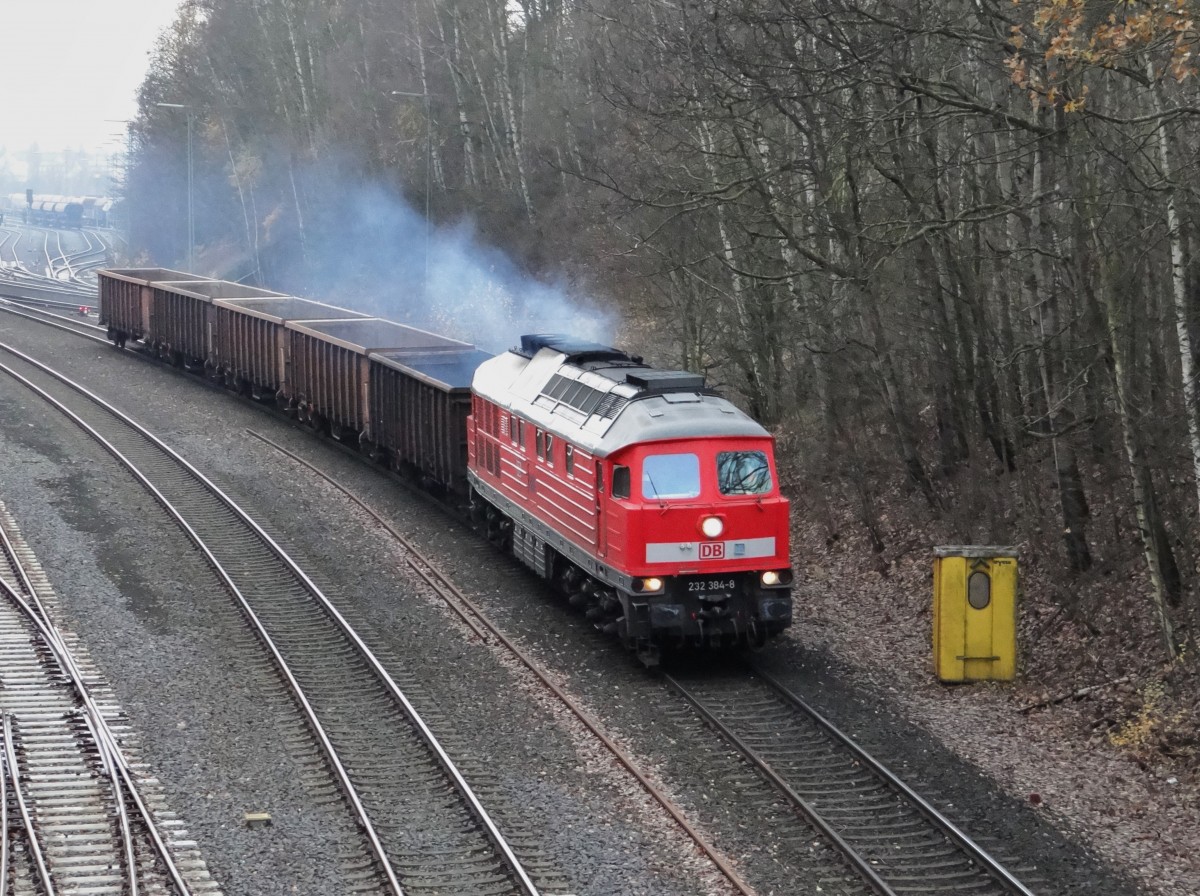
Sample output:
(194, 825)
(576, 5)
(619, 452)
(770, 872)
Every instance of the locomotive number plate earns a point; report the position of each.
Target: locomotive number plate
(710, 586)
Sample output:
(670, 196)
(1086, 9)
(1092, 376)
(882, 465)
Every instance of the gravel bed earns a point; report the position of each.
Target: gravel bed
(130, 586)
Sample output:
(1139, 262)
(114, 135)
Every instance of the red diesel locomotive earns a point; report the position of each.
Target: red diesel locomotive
(645, 498)
(650, 502)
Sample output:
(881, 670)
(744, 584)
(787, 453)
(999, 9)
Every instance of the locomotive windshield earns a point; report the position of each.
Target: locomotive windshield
(671, 476)
(743, 472)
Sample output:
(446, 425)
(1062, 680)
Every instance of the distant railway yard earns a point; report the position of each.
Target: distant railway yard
(327, 684)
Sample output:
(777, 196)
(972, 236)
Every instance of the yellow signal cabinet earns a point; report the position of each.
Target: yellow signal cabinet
(975, 613)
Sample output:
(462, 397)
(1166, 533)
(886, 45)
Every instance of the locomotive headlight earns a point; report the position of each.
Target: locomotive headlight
(648, 585)
(712, 526)
(770, 577)
(773, 578)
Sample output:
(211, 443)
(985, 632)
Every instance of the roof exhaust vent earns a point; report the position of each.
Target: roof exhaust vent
(658, 382)
(578, 351)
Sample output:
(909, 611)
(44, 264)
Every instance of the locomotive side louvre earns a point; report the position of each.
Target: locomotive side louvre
(535, 473)
(528, 463)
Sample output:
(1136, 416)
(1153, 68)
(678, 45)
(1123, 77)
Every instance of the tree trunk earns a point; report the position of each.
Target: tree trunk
(1187, 366)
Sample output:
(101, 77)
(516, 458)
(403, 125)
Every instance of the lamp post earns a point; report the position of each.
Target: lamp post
(191, 217)
(126, 168)
(428, 174)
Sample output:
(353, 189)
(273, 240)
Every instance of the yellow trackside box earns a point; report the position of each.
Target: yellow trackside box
(975, 613)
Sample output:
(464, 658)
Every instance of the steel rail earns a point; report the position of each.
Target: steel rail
(569, 702)
(14, 775)
(940, 821)
(439, 751)
(860, 862)
(108, 765)
(3, 823)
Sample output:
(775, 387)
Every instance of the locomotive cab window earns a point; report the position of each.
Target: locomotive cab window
(569, 459)
(549, 450)
(541, 445)
(620, 481)
(743, 473)
(671, 476)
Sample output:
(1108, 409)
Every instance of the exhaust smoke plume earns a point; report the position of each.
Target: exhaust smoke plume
(375, 255)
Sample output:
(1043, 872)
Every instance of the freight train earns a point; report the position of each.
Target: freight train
(71, 212)
(650, 502)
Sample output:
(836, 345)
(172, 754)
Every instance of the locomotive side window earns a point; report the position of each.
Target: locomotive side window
(743, 472)
(620, 482)
(671, 476)
(570, 460)
(549, 450)
(520, 432)
(541, 446)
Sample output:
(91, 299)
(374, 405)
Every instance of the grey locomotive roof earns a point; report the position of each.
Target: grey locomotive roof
(607, 403)
(447, 370)
(373, 334)
(215, 289)
(285, 308)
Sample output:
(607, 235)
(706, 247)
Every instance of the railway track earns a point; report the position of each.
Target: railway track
(50, 267)
(426, 831)
(85, 818)
(892, 837)
(61, 315)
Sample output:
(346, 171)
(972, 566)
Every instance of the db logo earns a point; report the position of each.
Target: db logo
(712, 550)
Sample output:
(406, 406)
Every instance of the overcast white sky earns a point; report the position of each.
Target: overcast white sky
(69, 65)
